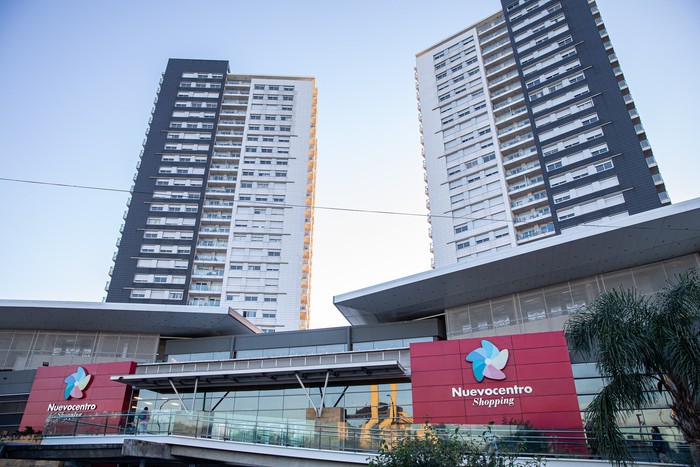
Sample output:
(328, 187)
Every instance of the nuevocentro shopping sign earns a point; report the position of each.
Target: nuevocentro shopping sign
(476, 381)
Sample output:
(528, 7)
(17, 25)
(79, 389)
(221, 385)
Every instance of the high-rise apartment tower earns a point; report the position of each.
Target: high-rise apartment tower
(529, 130)
(221, 211)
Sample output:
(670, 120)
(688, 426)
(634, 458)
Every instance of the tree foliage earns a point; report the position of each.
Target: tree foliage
(436, 448)
(644, 346)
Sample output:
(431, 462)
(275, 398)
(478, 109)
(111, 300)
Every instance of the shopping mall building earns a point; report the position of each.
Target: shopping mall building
(468, 344)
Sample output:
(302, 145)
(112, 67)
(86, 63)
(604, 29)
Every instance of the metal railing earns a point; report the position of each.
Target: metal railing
(517, 439)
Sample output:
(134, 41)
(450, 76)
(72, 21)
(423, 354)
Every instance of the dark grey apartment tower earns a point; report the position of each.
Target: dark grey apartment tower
(529, 130)
(221, 207)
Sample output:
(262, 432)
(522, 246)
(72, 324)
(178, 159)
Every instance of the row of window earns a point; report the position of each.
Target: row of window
(539, 27)
(581, 172)
(262, 198)
(169, 234)
(196, 105)
(551, 60)
(192, 125)
(546, 50)
(578, 156)
(564, 112)
(269, 128)
(563, 69)
(199, 85)
(459, 214)
(157, 294)
(176, 195)
(521, 24)
(468, 137)
(585, 189)
(271, 97)
(467, 123)
(569, 126)
(267, 149)
(463, 113)
(591, 206)
(481, 239)
(186, 147)
(453, 48)
(250, 266)
(259, 185)
(544, 38)
(158, 279)
(187, 114)
(572, 141)
(257, 238)
(197, 182)
(273, 87)
(496, 217)
(465, 166)
(166, 249)
(473, 178)
(174, 207)
(161, 263)
(266, 224)
(200, 75)
(183, 158)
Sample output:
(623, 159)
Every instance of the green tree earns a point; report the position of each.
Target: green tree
(437, 448)
(643, 346)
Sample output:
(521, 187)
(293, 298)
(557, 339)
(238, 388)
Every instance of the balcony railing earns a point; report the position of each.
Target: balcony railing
(228, 432)
(532, 233)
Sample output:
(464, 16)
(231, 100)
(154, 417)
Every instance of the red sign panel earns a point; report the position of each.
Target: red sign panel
(76, 389)
(476, 381)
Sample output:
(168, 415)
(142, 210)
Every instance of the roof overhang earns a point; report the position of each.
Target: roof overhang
(652, 236)
(283, 376)
(164, 320)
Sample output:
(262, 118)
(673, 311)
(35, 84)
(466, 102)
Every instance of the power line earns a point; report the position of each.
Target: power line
(325, 208)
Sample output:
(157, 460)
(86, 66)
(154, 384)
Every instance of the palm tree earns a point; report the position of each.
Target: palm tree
(643, 346)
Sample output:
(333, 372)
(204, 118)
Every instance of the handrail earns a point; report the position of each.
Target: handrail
(343, 437)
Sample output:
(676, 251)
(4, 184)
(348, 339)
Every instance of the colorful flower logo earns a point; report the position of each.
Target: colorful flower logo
(76, 384)
(487, 361)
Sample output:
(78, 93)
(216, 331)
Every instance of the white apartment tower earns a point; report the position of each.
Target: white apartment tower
(529, 130)
(221, 212)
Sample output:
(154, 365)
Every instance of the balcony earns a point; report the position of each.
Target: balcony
(532, 216)
(539, 180)
(503, 78)
(658, 180)
(210, 258)
(536, 232)
(523, 169)
(208, 272)
(651, 162)
(495, 46)
(502, 54)
(205, 288)
(516, 141)
(645, 145)
(508, 101)
(212, 243)
(500, 67)
(639, 129)
(513, 127)
(209, 302)
(491, 25)
(220, 191)
(506, 90)
(214, 230)
(522, 154)
(663, 197)
(489, 37)
(508, 115)
(528, 200)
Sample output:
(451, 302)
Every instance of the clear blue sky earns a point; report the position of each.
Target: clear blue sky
(78, 79)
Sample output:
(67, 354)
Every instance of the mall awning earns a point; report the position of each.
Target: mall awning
(283, 376)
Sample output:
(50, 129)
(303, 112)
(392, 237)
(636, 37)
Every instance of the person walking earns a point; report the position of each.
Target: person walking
(143, 418)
